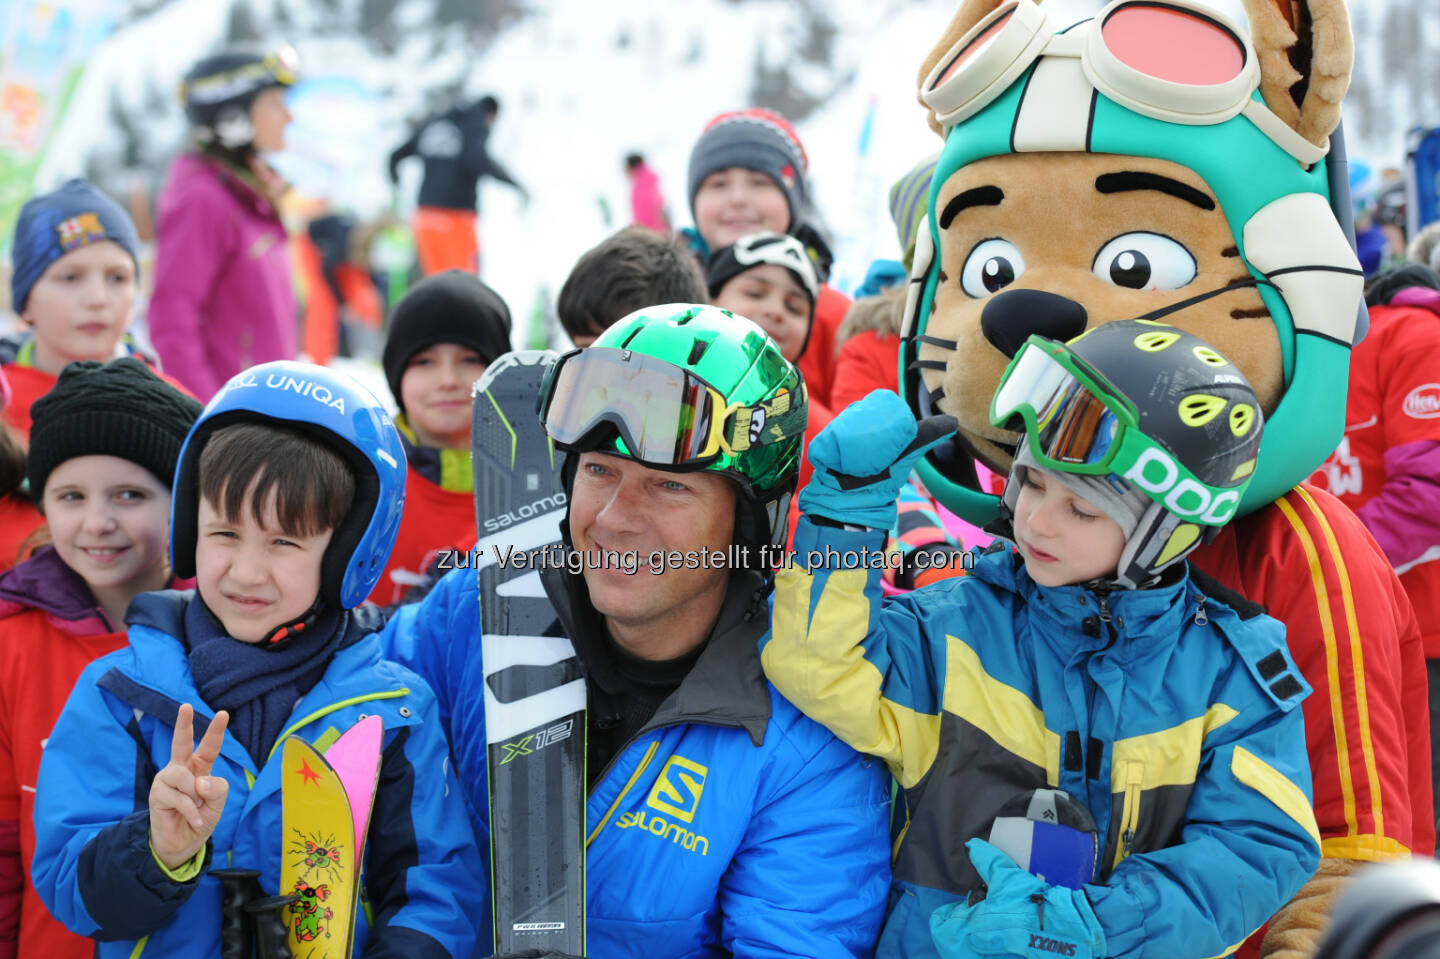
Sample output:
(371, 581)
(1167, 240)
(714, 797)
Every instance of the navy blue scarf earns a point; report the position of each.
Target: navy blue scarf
(260, 686)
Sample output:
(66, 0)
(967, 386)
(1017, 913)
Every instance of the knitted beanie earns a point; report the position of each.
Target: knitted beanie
(53, 224)
(756, 140)
(118, 409)
(909, 201)
(449, 307)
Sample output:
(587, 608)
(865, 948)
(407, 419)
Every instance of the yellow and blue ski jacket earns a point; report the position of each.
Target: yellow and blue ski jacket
(422, 877)
(1162, 710)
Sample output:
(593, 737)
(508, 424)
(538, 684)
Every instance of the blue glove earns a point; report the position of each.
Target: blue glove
(882, 275)
(1020, 916)
(864, 457)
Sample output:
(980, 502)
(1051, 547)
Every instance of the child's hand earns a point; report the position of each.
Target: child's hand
(185, 800)
(864, 456)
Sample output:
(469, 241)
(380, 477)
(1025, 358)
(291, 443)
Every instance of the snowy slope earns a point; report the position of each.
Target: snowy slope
(581, 85)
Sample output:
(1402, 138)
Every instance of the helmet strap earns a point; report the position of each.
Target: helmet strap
(284, 634)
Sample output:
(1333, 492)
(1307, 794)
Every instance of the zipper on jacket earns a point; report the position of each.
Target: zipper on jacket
(1201, 619)
(334, 707)
(1102, 600)
(634, 777)
(1130, 816)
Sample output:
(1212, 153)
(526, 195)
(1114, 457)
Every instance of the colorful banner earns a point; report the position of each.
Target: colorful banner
(44, 47)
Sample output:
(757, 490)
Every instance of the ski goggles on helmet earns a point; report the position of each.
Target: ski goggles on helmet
(279, 67)
(665, 416)
(1076, 422)
(1165, 59)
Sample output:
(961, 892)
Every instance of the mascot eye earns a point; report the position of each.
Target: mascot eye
(991, 266)
(1145, 261)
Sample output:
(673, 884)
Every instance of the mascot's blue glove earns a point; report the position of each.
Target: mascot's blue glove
(863, 458)
(1021, 915)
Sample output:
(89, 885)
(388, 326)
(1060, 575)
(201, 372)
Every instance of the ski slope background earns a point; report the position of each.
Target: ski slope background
(581, 84)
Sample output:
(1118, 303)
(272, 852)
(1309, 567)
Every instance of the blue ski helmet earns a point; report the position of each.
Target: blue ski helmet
(348, 419)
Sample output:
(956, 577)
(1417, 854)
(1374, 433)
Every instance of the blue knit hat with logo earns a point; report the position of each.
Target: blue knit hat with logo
(53, 224)
(754, 139)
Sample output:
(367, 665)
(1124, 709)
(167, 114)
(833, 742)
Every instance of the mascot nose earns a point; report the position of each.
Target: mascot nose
(1012, 315)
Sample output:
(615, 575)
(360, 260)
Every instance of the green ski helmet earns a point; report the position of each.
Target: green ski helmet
(1170, 80)
(1148, 422)
(686, 387)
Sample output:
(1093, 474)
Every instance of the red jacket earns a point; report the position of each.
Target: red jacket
(817, 365)
(50, 630)
(27, 384)
(1387, 468)
(1311, 563)
(866, 362)
(439, 514)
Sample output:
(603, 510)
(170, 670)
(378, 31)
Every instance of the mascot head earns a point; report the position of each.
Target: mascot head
(1148, 163)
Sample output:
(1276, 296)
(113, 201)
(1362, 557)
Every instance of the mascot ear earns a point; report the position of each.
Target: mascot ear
(1305, 55)
(970, 13)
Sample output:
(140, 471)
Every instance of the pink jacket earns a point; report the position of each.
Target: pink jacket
(647, 206)
(223, 300)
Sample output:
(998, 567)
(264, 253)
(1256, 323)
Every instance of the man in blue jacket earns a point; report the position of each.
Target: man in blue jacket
(720, 820)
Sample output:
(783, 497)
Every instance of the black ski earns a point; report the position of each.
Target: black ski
(534, 691)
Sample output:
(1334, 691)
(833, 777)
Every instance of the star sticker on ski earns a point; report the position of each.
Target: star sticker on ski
(308, 774)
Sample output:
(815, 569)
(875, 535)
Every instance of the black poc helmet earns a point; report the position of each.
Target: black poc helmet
(1145, 411)
(218, 91)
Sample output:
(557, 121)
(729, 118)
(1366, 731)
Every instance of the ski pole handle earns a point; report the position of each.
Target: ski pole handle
(240, 887)
(272, 935)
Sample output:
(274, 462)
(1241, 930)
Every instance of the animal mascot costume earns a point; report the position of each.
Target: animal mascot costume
(1154, 162)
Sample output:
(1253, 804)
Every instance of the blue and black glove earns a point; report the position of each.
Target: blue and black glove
(863, 458)
(1021, 915)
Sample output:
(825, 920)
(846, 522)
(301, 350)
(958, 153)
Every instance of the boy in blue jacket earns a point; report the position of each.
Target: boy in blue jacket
(1088, 660)
(287, 498)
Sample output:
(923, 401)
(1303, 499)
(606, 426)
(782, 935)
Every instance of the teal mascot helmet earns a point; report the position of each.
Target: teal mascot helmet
(1013, 85)
(686, 387)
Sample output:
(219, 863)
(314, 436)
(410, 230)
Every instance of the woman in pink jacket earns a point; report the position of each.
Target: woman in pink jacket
(223, 300)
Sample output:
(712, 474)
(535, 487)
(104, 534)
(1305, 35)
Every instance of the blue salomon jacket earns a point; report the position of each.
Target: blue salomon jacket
(422, 877)
(1164, 712)
(729, 825)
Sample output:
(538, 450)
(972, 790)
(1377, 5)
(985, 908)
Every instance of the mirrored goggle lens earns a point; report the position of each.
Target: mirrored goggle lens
(664, 415)
(1073, 426)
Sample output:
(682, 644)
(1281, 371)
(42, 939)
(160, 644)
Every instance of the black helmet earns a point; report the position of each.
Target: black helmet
(1154, 422)
(218, 91)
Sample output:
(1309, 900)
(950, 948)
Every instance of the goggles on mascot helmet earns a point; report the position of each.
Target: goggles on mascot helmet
(1165, 59)
(1076, 421)
(666, 416)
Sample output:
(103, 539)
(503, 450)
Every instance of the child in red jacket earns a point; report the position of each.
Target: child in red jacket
(443, 333)
(102, 459)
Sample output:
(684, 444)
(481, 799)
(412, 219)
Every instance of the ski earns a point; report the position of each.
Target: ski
(318, 858)
(534, 690)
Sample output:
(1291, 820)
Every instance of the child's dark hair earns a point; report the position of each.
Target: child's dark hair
(313, 486)
(628, 271)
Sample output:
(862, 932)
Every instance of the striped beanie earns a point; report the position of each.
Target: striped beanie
(909, 200)
(754, 139)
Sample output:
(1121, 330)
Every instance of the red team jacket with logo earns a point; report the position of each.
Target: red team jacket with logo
(1311, 563)
(1387, 468)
